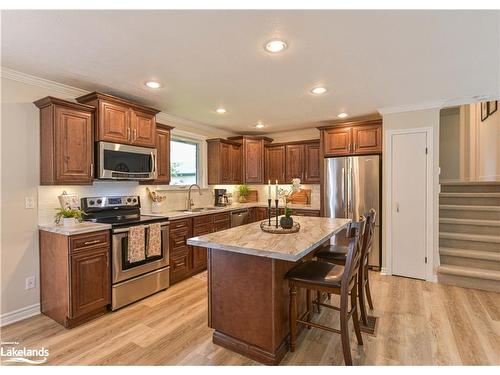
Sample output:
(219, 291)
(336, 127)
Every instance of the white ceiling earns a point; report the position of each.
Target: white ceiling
(205, 59)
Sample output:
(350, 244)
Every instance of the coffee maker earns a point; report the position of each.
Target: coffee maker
(220, 197)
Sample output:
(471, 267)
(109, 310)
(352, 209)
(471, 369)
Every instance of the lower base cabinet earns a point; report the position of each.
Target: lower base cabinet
(260, 213)
(186, 260)
(75, 276)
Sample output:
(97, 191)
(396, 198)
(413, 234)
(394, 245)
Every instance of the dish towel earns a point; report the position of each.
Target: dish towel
(136, 244)
(154, 243)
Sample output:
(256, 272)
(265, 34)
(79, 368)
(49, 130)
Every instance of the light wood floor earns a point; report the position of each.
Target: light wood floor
(420, 323)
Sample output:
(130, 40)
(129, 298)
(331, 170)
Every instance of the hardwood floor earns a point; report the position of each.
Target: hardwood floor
(419, 323)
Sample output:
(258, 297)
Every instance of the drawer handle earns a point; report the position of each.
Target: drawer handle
(91, 242)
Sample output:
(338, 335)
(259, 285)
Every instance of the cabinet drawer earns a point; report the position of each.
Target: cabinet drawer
(178, 239)
(223, 216)
(221, 225)
(180, 223)
(305, 212)
(200, 230)
(179, 251)
(89, 241)
(179, 267)
(205, 219)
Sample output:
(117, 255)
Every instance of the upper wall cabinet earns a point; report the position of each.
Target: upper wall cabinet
(162, 155)
(224, 162)
(253, 157)
(122, 121)
(352, 138)
(275, 163)
(311, 163)
(66, 141)
(294, 162)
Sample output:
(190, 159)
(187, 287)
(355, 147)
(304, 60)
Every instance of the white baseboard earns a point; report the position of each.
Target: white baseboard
(21, 314)
(383, 271)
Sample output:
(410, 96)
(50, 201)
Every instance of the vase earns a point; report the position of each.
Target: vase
(286, 222)
(69, 221)
(242, 199)
(156, 207)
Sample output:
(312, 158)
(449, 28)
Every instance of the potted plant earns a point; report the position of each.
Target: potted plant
(244, 193)
(69, 216)
(286, 221)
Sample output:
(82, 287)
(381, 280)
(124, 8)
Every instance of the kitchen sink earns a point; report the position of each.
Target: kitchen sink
(202, 209)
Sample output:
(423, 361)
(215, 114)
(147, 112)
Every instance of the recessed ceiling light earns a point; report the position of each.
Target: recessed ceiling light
(153, 84)
(342, 115)
(220, 110)
(318, 90)
(259, 126)
(275, 46)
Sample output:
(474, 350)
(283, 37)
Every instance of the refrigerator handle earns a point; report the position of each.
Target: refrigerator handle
(343, 191)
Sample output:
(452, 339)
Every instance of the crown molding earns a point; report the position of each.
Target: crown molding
(438, 104)
(29, 79)
(70, 91)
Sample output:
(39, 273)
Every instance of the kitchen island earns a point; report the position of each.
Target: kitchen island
(247, 289)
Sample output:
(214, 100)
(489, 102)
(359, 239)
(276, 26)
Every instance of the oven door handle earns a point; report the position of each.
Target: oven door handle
(153, 161)
(126, 230)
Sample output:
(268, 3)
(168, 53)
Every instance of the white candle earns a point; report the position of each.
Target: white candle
(269, 189)
(276, 197)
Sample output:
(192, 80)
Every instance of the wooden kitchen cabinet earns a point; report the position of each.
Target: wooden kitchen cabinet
(162, 156)
(311, 163)
(75, 276)
(66, 142)
(305, 212)
(275, 164)
(352, 138)
(224, 162)
(252, 157)
(122, 121)
(294, 162)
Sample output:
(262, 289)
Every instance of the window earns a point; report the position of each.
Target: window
(184, 164)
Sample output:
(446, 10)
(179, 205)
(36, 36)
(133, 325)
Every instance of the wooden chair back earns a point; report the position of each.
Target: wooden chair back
(366, 245)
(355, 232)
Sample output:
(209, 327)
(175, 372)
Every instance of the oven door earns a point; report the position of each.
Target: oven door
(122, 269)
(124, 162)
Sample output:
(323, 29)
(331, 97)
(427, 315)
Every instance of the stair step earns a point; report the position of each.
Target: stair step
(470, 195)
(457, 211)
(470, 187)
(477, 273)
(468, 208)
(469, 237)
(478, 222)
(467, 277)
(473, 254)
(471, 226)
(470, 199)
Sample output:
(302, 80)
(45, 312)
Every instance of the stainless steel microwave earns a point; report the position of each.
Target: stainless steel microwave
(123, 162)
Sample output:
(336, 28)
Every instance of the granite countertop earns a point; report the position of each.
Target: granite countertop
(84, 227)
(172, 215)
(250, 239)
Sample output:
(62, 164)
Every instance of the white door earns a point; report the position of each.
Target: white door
(409, 202)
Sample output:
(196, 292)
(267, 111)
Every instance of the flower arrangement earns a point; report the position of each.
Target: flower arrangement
(69, 213)
(244, 192)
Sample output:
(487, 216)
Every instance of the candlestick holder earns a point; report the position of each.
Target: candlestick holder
(269, 211)
(277, 212)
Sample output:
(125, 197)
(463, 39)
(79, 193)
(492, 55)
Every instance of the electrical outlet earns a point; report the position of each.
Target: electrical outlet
(30, 282)
(29, 202)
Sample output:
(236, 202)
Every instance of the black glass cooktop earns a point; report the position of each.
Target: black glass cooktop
(128, 220)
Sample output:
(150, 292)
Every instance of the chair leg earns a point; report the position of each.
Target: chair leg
(368, 292)
(344, 328)
(355, 319)
(309, 306)
(293, 316)
(318, 299)
(361, 295)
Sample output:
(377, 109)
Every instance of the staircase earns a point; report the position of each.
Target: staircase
(469, 235)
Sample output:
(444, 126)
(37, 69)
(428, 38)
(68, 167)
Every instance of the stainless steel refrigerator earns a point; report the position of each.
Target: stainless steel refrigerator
(351, 188)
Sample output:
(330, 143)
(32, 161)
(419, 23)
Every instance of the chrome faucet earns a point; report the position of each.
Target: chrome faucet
(190, 200)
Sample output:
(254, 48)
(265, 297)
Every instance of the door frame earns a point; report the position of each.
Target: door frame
(429, 217)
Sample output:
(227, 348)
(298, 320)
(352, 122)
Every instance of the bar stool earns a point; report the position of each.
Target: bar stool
(334, 279)
(337, 255)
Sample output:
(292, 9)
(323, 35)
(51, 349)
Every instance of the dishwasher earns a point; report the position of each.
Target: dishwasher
(239, 217)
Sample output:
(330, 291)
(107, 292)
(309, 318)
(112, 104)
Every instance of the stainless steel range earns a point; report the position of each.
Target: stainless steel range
(130, 281)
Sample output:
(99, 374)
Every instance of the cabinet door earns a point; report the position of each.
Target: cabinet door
(226, 174)
(73, 149)
(163, 156)
(236, 164)
(143, 127)
(294, 162)
(367, 139)
(114, 123)
(275, 164)
(200, 253)
(311, 173)
(337, 141)
(253, 159)
(90, 281)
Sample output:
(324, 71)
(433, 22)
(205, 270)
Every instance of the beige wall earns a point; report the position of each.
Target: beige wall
(488, 146)
(449, 144)
(20, 178)
(296, 135)
(428, 118)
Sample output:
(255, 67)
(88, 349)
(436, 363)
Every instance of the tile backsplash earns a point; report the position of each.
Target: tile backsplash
(176, 199)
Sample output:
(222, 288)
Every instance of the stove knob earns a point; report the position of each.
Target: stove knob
(129, 200)
(99, 201)
(134, 200)
(91, 202)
